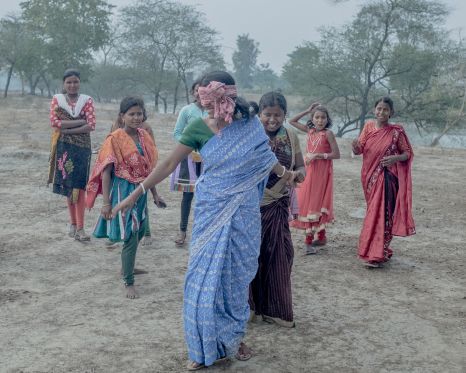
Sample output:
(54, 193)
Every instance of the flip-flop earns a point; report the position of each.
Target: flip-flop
(243, 356)
(180, 239)
(191, 367)
(373, 264)
(81, 236)
(72, 230)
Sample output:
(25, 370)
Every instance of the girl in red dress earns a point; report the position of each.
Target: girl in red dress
(315, 194)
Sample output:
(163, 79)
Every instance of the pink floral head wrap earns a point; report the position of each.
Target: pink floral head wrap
(221, 96)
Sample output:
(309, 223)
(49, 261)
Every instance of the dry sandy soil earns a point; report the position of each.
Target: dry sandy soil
(62, 307)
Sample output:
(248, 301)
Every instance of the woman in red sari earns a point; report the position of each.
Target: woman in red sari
(386, 181)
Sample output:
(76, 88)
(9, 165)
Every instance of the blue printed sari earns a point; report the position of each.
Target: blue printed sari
(225, 240)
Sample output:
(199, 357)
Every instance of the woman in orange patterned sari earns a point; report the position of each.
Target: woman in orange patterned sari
(126, 158)
(386, 181)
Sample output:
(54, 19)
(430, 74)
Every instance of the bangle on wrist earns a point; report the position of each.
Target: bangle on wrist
(283, 173)
(143, 188)
(106, 204)
(325, 155)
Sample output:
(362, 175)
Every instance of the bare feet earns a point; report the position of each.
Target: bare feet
(147, 241)
(131, 292)
(244, 352)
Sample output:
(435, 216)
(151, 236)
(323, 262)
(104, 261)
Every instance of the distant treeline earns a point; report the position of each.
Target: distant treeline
(157, 47)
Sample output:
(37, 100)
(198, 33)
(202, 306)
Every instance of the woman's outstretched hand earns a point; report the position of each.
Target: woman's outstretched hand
(123, 206)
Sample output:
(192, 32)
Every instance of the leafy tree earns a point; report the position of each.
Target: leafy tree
(265, 78)
(392, 46)
(111, 82)
(165, 42)
(69, 30)
(11, 44)
(245, 59)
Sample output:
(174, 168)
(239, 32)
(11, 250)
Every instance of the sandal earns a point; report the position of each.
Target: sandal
(311, 250)
(72, 230)
(180, 239)
(244, 352)
(278, 321)
(81, 236)
(320, 242)
(192, 365)
(373, 264)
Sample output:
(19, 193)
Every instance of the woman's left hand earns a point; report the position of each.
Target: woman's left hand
(298, 177)
(106, 212)
(389, 160)
(289, 177)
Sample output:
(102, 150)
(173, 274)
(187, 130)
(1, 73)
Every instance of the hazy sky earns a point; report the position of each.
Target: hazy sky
(278, 25)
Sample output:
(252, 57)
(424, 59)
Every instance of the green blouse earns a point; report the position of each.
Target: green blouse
(196, 134)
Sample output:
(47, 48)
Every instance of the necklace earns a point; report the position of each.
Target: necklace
(314, 143)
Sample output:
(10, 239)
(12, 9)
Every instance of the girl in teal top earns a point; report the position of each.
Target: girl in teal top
(184, 177)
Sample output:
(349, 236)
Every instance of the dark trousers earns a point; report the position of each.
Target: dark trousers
(128, 254)
(185, 210)
(186, 204)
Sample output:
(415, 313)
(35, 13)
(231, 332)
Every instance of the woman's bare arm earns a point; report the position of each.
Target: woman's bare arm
(68, 124)
(163, 170)
(85, 128)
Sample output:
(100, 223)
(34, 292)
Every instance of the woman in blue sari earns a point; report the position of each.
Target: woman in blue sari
(226, 234)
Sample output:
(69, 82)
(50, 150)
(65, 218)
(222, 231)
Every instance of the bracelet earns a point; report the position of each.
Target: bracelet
(325, 156)
(283, 173)
(143, 189)
(106, 204)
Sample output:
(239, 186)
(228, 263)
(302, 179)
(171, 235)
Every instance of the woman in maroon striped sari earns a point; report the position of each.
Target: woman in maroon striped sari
(270, 291)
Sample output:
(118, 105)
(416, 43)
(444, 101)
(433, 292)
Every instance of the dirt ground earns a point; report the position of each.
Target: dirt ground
(62, 305)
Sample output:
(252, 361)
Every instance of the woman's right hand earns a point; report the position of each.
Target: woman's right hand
(309, 157)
